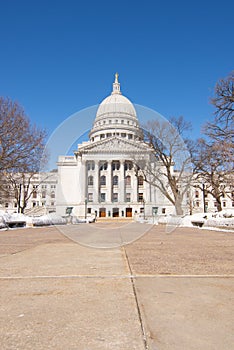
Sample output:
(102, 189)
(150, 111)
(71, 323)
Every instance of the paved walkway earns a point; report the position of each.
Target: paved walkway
(57, 294)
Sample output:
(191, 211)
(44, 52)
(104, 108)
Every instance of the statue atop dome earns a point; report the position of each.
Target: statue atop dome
(116, 77)
(116, 85)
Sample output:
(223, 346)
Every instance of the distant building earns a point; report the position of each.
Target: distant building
(42, 191)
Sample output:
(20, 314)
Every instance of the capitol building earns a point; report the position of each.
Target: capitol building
(103, 178)
(100, 178)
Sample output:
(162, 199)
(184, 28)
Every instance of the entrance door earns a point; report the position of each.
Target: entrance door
(128, 212)
(102, 212)
(115, 212)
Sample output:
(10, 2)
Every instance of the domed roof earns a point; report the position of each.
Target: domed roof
(115, 116)
(116, 104)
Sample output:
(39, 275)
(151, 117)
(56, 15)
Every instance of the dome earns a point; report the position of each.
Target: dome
(116, 116)
(116, 104)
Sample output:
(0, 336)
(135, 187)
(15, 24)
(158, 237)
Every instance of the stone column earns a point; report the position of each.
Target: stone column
(109, 182)
(121, 183)
(135, 189)
(96, 182)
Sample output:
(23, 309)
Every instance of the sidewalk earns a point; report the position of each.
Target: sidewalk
(57, 294)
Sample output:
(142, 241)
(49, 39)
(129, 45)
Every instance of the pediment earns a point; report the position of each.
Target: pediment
(114, 145)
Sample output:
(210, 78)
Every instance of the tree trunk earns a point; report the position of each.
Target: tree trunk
(178, 205)
(219, 204)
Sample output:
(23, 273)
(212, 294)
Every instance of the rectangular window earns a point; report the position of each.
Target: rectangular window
(89, 210)
(103, 180)
(140, 197)
(224, 204)
(128, 180)
(128, 197)
(115, 197)
(163, 210)
(140, 181)
(115, 180)
(103, 197)
(90, 165)
(90, 197)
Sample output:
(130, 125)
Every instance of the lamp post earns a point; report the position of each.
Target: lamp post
(86, 201)
(19, 197)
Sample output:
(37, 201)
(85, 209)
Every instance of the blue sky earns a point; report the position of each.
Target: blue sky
(58, 57)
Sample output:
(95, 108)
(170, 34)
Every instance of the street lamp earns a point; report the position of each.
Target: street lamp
(86, 201)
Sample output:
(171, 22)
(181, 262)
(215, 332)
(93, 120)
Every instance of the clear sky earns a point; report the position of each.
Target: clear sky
(58, 57)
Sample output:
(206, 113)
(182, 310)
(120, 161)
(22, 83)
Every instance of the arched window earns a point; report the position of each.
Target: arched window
(90, 180)
(52, 195)
(128, 165)
(115, 165)
(103, 166)
(128, 180)
(115, 180)
(103, 180)
(140, 180)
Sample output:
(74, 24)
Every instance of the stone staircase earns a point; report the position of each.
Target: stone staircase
(106, 219)
(36, 211)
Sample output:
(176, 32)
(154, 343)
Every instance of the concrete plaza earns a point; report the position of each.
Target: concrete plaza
(77, 287)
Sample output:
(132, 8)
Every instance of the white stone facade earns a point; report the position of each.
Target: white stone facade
(100, 178)
(42, 192)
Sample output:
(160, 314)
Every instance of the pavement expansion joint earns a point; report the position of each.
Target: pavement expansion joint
(130, 276)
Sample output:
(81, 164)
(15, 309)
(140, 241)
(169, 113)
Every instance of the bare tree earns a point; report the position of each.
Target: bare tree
(214, 155)
(21, 151)
(168, 167)
(214, 169)
(222, 127)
